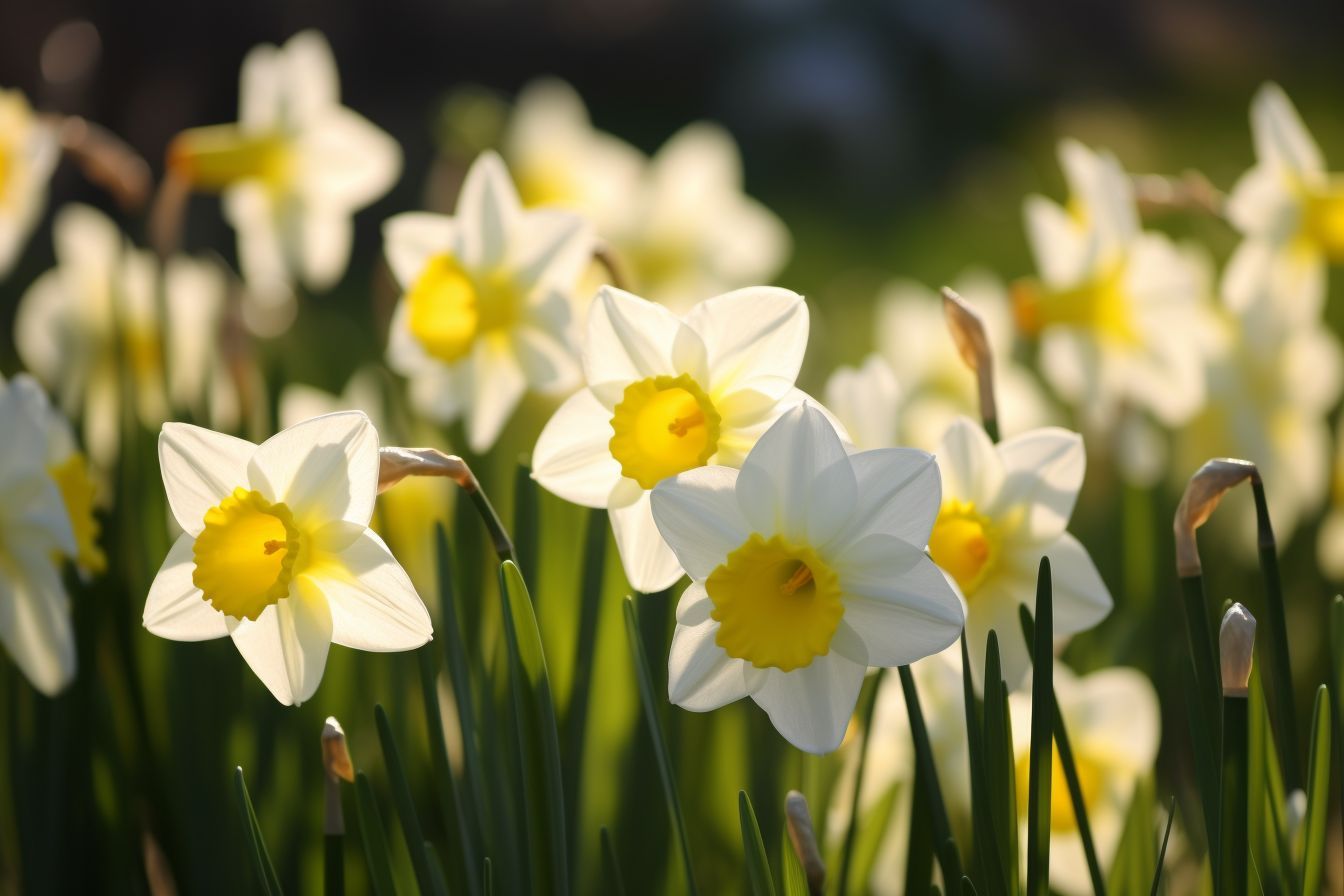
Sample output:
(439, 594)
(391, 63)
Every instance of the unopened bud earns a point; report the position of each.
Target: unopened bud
(1236, 647)
(1202, 494)
(335, 754)
(804, 840)
(972, 340)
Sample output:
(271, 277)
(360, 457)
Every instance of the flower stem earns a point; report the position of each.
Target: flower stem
(1233, 849)
(395, 464)
(847, 853)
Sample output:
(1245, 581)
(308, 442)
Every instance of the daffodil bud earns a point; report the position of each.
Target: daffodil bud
(337, 765)
(1236, 645)
(972, 341)
(1202, 494)
(804, 840)
(395, 464)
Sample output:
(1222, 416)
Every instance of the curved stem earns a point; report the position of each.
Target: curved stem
(395, 464)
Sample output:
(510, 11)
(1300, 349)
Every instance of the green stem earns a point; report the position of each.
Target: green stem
(1232, 870)
(1281, 671)
(847, 852)
(949, 859)
(333, 854)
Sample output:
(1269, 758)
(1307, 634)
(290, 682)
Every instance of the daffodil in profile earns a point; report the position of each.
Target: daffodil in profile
(29, 151)
(293, 169)
(1120, 312)
(276, 552)
(1003, 507)
(1290, 210)
(485, 315)
(1114, 729)
(807, 567)
(666, 394)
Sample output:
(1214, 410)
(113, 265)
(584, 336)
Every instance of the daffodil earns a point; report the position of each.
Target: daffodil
(94, 322)
(807, 567)
(29, 150)
(35, 532)
(1290, 210)
(866, 400)
(293, 169)
(1121, 312)
(276, 552)
(1004, 507)
(1114, 727)
(486, 311)
(666, 394)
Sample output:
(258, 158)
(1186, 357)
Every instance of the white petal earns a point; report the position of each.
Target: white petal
(411, 239)
(754, 338)
(1263, 204)
(700, 675)
(899, 494)
(865, 400)
(311, 84)
(1280, 136)
(995, 606)
(549, 365)
(629, 339)
(287, 645)
(200, 468)
(35, 624)
(373, 604)
(1081, 598)
(324, 469)
(572, 458)
(697, 514)
(1043, 472)
(260, 89)
(797, 481)
(487, 213)
(553, 249)
(971, 469)
(650, 565)
(496, 385)
(694, 606)
(348, 162)
(897, 600)
(176, 609)
(325, 235)
(1117, 710)
(811, 706)
(1061, 251)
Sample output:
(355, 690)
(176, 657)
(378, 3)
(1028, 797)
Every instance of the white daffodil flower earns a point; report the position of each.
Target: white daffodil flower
(1121, 312)
(276, 551)
(35, 532)
(486, 311)
(1290, 210)
(293, 169)
(93, 322)
(1114, 728)
(1004, 507)
(807, 567)
(866, 400)
(667, 394)
(29, 151)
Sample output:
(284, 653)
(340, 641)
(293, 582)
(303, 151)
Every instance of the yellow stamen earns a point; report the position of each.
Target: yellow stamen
(77, 492)
(777, 603)
(663, 426)
(964, 544)
(219, 156)
(247, 554)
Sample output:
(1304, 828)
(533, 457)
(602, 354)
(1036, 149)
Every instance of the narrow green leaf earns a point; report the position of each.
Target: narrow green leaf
(986, 853)
(866, 724)
(795, 878)
(404, 802)
(949, 859)
(534, 709)
(1203, 696)
(1131, 867)
(1000, 769)
(374, 837)
(1041, 760)
(488, 877)
(526, 526)
(1162, 851)
(436, 869)
(1318, 795)
(876, 823)
(1268, 840)
(455, 816)
(1337, 683)
(333, 865)
(753, 848)
(261, 857)
(610, 867)
(1280, 671)
(919, 843)
(575, 731)
(650, 704)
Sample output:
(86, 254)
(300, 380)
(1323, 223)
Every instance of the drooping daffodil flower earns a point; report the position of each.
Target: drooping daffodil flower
(807, 567)
(29, 151)
(666, 394)
(276, 552)
(486, 312)
(1004, 507)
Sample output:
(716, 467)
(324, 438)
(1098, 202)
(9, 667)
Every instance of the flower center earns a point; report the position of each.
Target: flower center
(664, 425)
(1099, 304)
(777, 603)
(219, 156)
(1323, 220)
(77, 493)
(449, 308)
(1062, 817)
(246, 555)
(964, 544)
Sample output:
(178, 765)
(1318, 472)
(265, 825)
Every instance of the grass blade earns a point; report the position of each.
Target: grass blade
(436, 869)
(649, 702)
(1318, 795)
(580, 694)
(949, 859)
(919, 842)
(1281, 672)
(261, 857)
(373, 835)
(1203, 694)
(526, 527)
(404, 802)
(534, 709)
(1162, 850)
(753, 848)
(1000, 768)
(450, 804)
(1041, 760)
(986, 854)
(851, 833)
(610, 867)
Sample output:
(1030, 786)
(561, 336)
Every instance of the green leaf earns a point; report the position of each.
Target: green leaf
(580, 695)
(455, 816)
(986, 851)
(1265, 831)
(949, 859)
(649, 702)
(876, 823)
(1041, 759)
(436, 874)
(488, 877)
(866, 725)
(1132, 865)
(374, 837)
(1204, 704)
(1280, 668)
(526, 529)
(1318, 795)
(261, 857)
(610, 867)
(1000, 767)
(795, 878)
(404, 802)
(1161, 860)
(1233, 849)
(919, 843)
(539, 737)
(753, 848)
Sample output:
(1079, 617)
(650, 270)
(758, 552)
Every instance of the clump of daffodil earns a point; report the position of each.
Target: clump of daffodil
(934, 388)
(1114, 728)
(94, 322)
(292, 170)
(1121, 313)
(666, 394)
(1004, 507)
(807, 567)
(485, 314)
(276, 552)
(36, 532)
(1289, 209)
(29, 151)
